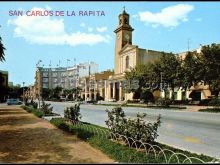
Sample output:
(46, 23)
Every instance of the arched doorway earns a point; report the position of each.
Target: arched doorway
(195, 95)
(92, 96)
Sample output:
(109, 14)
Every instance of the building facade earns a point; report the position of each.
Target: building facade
(94, 86)
(65, 77)
(127, 56)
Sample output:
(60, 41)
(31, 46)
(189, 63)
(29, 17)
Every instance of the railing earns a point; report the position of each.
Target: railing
(162, 155)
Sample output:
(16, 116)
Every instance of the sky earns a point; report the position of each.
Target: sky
(55, 36)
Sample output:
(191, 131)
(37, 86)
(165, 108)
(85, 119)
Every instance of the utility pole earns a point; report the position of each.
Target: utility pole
(23, 91)
(67, 75)
(161, 81)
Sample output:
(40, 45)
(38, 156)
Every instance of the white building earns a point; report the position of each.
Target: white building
(65, 77)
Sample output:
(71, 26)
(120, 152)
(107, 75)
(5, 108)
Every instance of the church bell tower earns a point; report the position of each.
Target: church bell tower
(123, 36)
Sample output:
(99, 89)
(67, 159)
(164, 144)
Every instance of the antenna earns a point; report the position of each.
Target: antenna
(74, 61)
(188, 44)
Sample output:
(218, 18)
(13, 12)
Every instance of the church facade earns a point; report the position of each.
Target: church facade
(127, 56)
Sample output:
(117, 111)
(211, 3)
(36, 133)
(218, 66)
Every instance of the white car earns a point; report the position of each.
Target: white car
(13, 102)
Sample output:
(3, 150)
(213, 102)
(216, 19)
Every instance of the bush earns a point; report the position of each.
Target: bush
(204, 102)
(215, 103)
(32, 103)
(46, 109)
(181, 102)
(38, 113)
(133, 101)
(120, 152)
(73, 113)
(137, 128)
(60, 123)
(214, 110)
(163, 102)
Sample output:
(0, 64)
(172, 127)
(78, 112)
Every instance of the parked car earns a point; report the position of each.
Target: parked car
(13, 102)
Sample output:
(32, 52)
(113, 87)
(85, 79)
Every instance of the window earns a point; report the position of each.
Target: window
(125, 21)
(45, 74)
(45, 85)
(45, 79)
(127, 62)
(54, 74)
(63, 74)
(120, 22)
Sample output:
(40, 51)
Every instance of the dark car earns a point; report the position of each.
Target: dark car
(13, 102)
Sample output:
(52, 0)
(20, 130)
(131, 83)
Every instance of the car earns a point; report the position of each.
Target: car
(13, 102)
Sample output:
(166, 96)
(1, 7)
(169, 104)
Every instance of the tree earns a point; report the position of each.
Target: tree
(210, 61)
(2, 49)
(76, 91)
(56, 92)
(3, 89)
(46, 93)
(190, 71)
(169, 65)
(143, 75)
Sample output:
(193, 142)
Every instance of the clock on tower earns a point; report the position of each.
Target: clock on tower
(123, 36)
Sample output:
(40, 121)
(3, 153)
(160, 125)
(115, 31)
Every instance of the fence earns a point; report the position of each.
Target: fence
(149, 151)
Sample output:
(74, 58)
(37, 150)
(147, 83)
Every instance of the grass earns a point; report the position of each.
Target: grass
(212, 110)
(36, 112)
(120, 152)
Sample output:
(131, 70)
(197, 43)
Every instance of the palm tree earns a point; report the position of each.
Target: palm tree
(2, 48)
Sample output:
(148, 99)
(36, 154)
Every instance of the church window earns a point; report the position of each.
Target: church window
(127, 62)
(126, 21)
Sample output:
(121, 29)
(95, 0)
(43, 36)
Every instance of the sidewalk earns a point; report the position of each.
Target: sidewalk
(25, 138)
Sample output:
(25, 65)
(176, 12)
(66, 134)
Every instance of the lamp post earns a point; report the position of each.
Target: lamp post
(23, 91)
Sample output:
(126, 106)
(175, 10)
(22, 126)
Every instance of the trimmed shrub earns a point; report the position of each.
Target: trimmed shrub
(215, 103)
(137, 128)
(163, 102)
(32, 104)
(46, 109)
(60, 123)
(73, 113)
(120, 152)
(38, 113)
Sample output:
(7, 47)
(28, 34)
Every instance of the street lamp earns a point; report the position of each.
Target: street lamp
(23, 91)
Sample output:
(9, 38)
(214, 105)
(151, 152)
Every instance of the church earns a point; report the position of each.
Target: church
(111, 86)
(127, 56)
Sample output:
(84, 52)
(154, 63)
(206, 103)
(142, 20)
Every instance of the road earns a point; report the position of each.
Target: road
(198, 132)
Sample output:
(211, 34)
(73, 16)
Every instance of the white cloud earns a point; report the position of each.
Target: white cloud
(82, 24)
(90, 29)
(101, 29)
(48, 8)
(198, 19)
(50, 30)
(170, 16)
